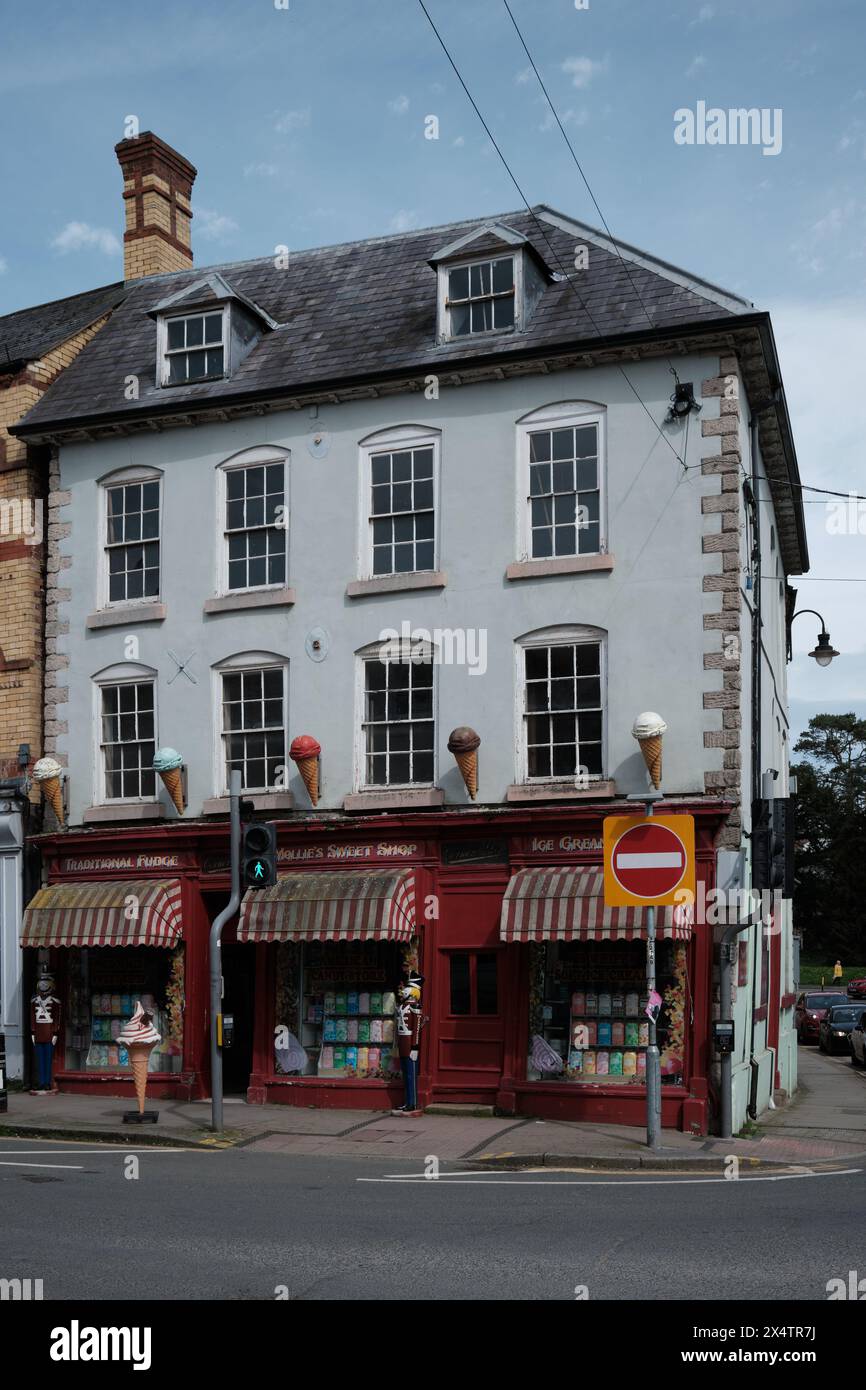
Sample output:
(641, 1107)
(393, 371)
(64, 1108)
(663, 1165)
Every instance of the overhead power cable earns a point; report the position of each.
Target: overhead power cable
(543, 233)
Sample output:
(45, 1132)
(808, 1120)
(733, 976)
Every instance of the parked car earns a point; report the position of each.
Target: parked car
(835, 1027)
(858, 1041)
(810, 1008)
(857, 989)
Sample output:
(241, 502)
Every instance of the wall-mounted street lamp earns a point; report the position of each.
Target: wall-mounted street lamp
(682, 401)
(823, 653)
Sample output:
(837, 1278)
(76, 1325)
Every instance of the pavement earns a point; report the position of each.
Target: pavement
(825, 1124)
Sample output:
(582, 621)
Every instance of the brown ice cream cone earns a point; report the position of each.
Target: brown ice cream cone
(468, 764)
(53, 793)
(652, 756)
(173, 783)
(309, 770)
(139, 1054)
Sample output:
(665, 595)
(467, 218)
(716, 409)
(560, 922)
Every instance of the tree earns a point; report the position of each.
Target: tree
(830, 861)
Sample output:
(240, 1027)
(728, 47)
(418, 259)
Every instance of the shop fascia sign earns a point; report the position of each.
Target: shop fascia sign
(329, 854)
(562, 844)
(101, 863)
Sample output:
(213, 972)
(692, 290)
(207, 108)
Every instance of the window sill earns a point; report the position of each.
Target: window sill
(560, 791)
(572, 564)
(264, 598)
(396, 583)
(262, 801)
(381, 799)
(124, 811)
(122, 617)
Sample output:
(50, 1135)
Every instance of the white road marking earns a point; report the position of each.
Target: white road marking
(76, 1166)
(649, 861)
(419, 1178)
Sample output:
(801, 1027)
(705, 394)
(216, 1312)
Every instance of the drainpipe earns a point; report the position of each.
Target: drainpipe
(756, 722)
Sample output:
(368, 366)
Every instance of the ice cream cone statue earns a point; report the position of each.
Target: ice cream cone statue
(648, 730)
(139, 1037)
(168, 763)
(48, 772)
(464, 744)
(305, 752)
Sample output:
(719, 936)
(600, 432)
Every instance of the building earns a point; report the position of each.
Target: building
(36, 345)
(373, 493)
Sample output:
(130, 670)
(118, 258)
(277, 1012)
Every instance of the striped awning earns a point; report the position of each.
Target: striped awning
(568, 905)
(375, 905)
(126, 913)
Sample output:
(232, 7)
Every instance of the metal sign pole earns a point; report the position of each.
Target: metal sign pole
(653, 1059)
(216, 972)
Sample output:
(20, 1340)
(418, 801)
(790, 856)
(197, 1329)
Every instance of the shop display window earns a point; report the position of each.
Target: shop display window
(336, 1006)
(587, 1020)
(104, 985)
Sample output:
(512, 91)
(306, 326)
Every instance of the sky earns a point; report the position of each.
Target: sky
(306, 121)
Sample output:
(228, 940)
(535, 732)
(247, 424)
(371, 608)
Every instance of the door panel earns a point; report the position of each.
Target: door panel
(470, 994)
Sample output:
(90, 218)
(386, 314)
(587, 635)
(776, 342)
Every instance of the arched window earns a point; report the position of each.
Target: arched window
(130, 523)
(395, 714)
(251, 691)
(126, 738)
(399, 501)
(561, 704)
(561, 481)
(253, 520)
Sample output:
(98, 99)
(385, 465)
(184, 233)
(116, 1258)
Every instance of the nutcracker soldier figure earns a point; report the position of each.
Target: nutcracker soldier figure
(409, 1025)
(44, 1030)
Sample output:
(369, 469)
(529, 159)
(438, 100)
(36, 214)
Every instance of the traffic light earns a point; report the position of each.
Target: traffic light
(258, 854)
(773, 846)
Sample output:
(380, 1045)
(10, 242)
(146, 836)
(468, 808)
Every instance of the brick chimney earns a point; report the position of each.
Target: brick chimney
(157, 184)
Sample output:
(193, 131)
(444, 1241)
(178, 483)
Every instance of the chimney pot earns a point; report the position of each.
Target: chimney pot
(157, 187)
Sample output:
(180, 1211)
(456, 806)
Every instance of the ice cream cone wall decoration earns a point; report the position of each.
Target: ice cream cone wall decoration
(464, 744)
(168, 763)
(305, 751)
(139, 1037)
(48, 773)
(649, 728)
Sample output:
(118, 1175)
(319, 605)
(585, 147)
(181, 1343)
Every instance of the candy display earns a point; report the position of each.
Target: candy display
(604, 1033)
(344, 1021)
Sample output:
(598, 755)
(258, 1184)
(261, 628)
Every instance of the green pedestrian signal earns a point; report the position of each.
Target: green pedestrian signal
(258, 854)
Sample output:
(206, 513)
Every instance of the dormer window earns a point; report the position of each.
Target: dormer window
(195, 347)
(481, 297)
(205, 330)
(490, 280)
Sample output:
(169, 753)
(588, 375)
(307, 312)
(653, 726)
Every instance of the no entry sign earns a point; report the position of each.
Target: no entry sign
(648, 860)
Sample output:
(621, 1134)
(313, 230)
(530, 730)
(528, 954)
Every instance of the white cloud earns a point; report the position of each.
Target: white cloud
(261, 170)
(569, 117)
(4, 265)
(80, 236)
(403, 221)
(695, 65)
(400, 105)
(458, 143)
(705, 13)
(582, 70)
(287, 121)
(214, 226)
(522, 77)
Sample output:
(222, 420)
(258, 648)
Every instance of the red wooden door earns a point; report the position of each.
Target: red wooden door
(472, 982)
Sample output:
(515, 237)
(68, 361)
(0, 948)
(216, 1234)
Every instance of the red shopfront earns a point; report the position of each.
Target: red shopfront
(507, 928)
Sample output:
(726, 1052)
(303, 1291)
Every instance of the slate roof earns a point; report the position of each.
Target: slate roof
(28, 333)
(367, 309)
